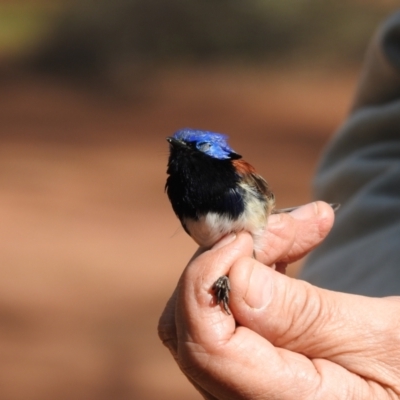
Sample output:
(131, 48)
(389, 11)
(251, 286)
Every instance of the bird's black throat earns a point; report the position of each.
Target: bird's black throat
(198, 184)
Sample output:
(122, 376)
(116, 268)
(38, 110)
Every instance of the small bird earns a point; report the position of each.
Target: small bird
(214, 192)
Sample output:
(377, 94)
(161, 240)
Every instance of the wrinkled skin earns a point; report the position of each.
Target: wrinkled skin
(285, 338)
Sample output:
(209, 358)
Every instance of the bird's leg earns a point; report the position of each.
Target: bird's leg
(335, 207)
(222, 288)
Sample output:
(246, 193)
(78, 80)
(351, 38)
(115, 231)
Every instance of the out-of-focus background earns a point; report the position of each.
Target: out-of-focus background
(89, 247)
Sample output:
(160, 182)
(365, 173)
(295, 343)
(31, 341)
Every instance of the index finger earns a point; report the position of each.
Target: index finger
(290, 236)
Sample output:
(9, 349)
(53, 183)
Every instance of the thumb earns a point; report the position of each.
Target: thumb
(294, 315)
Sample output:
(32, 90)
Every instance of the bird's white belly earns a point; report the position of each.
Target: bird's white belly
(210, 228)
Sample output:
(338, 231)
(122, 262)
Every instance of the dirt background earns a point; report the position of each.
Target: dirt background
(90, 249)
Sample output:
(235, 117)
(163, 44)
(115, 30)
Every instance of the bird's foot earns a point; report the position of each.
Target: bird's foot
(335, 207)
(222, 288)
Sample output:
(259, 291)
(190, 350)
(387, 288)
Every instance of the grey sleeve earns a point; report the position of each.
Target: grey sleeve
(361, 170)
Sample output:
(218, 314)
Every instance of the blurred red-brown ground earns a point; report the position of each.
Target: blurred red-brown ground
(90, 249)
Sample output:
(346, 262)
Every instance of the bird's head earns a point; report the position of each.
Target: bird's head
(212, 144)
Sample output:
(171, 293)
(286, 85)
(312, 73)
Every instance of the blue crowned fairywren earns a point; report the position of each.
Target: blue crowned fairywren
(214, 192)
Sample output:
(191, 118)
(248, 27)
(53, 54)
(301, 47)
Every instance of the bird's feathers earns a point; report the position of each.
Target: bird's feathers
(249, 175)
(213, 144)
(213, 191)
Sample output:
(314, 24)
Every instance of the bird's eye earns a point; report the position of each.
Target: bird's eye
(203, 146)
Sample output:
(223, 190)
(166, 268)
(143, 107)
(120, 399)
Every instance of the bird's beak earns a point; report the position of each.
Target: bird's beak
(175, 142)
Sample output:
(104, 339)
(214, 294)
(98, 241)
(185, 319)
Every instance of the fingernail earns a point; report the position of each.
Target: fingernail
(305, 212)
(225, 240)
(259, 290)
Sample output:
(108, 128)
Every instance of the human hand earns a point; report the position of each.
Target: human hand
(290, 340)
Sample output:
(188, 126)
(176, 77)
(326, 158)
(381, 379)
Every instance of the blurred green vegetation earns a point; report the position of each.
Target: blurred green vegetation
(24, 24)
(99, 36)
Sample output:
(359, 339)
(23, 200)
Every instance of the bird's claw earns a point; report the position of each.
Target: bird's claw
(222, 288)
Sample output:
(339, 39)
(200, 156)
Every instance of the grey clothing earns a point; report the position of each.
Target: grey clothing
(361, 170)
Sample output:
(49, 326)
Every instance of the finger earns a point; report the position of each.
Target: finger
(197, 320)
(195, 297)
(249, 367)
(292, 314)
(206, 395)
(167, 326)
(167, 334)
(290, 236)
(166, 323)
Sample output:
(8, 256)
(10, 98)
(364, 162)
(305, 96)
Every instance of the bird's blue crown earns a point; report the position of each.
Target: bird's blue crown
(211, 143)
